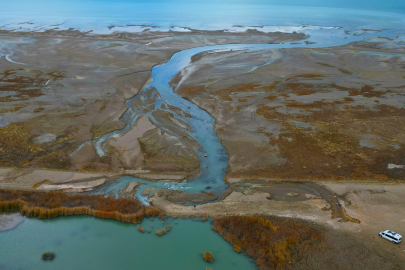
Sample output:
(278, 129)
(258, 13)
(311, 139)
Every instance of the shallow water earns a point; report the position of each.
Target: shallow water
(97, 15)
(91, 243)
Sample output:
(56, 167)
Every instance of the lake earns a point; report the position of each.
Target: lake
(91, 243)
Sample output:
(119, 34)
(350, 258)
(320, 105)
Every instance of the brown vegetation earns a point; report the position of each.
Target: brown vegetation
(161, 232)
(188, 91)
(273, 242)
(332, 149)
(157, 158)
(18, 149)
(208, 257)
(285, 243)
(21, 84)
(48, 256)
(54, 204)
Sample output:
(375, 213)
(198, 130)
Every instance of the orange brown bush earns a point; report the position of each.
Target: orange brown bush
(54, 204)
(208, 257)
(274, 243)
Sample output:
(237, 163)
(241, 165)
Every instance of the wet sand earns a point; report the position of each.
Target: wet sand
(10, 221)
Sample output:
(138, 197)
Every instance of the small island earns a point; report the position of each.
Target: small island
(48, 256)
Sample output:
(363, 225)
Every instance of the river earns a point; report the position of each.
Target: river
(212, 155)
(89, 243)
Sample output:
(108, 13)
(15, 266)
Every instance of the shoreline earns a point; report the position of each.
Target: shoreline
(10, 221)
(44, 205)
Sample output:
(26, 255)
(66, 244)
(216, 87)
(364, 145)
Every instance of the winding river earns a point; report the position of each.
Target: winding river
(90, 243)
(214, 166)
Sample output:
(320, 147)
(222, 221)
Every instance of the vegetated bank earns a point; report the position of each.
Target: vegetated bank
(287, 243)
(53, 204)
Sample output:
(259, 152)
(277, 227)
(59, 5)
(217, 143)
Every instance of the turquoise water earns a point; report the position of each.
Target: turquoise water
(90, 243)
(97, 15)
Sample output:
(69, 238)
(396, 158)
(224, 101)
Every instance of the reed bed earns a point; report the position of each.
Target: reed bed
(53, 204)
(274, 243)
(208, 257)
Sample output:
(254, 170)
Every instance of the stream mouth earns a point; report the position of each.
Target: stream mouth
(159, 95)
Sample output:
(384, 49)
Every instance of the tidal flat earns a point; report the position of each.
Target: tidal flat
(301, 122)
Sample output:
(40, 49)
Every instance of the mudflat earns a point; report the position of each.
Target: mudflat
(62, 90)
(313, 113)
(311, 133)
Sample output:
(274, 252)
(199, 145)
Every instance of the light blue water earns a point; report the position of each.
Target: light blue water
(95, 244)
(97, 15)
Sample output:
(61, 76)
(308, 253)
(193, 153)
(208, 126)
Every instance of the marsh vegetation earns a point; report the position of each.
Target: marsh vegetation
(48, 256)
(208, 257)
(286, 243)
(54, 204)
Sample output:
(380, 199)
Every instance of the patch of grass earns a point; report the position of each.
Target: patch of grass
(15, 144)
(48, 256)
(24, 84)
(331, 148)
(273, 242)
(17, 148)
(12, 108)
(208, 257)
(156, 160)
(98, 130)
(161, 232)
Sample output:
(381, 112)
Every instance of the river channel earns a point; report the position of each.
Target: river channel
(212, 155)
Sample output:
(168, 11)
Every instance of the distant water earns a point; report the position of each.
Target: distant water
(94, 244)
(97, 15)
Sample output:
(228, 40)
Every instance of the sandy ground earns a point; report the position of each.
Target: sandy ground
(28, 178)
(74, 187)
(131, 153)
(10, 221)
(131, 186)
(17, 178)
(380, 208)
